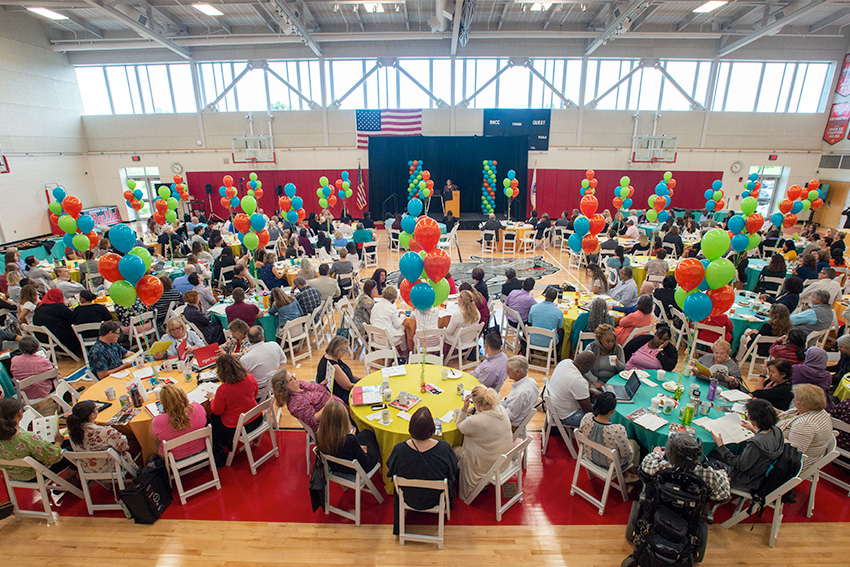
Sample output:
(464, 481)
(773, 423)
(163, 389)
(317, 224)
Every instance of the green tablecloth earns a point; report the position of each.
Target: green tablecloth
(754, 268)
(266, 321)
(648, 228)
(740, 324)
(442, 227)
(658, 438)
(6, 383)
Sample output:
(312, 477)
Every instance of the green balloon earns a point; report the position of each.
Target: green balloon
(319, 193)
(585, 183)
(123, 293)
(251, 240)
(252, 176)
(81, 242)
(717, 196)
(142, 253)
(719, 273)
(715, 243)
(668, 176)
(249, 205)
(172, 203)
(259, 184)
(806, 204)
(404, 240)
(55, 207)
(323, 203)
(422, 254)
(164, 192)
(748, 206)
(68, 224)
(441, 291)
(250, 192)
(813, 195)
(170, 216)
(422, 185)
(346, 185)
(131, 184)
(651, 215)
(624, 192)
(506, 182)
(755, 240)
(348, 192)
(651, 201)
(624, 181)
(680, 295)
(323, 181)
(423, 276)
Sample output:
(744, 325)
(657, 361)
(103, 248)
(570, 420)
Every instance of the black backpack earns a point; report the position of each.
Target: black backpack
(784, 468)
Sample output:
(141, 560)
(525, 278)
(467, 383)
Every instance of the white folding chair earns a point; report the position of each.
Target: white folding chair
(488, 241)
(247, 438)
(432, 341)
(310, 441)
(466, 342)
(29, 414)
(503, 470)
(812, 472)
(637, 331)
(377, 338)
(191, 463)
(317, 325)
(521, 432)
(442, 507)
(683, 331)
(144, 337)
(21, 385)
(49, 341)
(613, 275)
(370, 254)
(432, 359)
(557, 236)
(776, 282)
(357, 480)
(225, 276)
(565, 244)
(671, 249)
(86, 343)
(527, 242)
(296, 333)
(393, 241)
(356, 341)
(553, 421)
(772, 500)
(698, 342)
(381, 358)
(584, 339)
(119, 469)
(614, 471)
(512, 336)
(547, 350)
(657, 280)
(65, 396)
(509, 242)
(752, 351)
(659, 311)
(88, 280)
(45, 480)
(839, 427)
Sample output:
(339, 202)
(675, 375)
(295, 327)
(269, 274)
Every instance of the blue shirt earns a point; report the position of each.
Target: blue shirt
(287, 312)
(103, 356)
(545, 315)
(182, 285)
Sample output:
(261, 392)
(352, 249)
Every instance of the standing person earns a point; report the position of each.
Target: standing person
(263, 360)
(524, 392)
(240, 310)
(236, 395)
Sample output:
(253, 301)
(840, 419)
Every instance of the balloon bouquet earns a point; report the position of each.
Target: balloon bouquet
(511, 185)
(133, 196)
(343, 187)
(408, 225)
(809, 197)
(229, 194)
(325, 193)
(713, 196)
(589, 223)
(414, 178)
(661, 199)
(251, 225)
(291, 205)
(623, 194)
(65, 212)
(169, 200)
(488, 196)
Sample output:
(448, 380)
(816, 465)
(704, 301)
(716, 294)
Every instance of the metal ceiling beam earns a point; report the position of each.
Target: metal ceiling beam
(140, 29)
(406, 16)
(686, 21)
(359, 18)
(770, 29)
(638, 21)
(633, 9)
(739, 15)
(553, 9)
(599, 17)
(296, 23)
(162, 14)
(88, 26)
(456, 25)
(271, 22)
(829, 20)
(504, 12)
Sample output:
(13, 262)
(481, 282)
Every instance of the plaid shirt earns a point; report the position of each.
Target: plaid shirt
(309, 298)
(717, 481)
(104, 356)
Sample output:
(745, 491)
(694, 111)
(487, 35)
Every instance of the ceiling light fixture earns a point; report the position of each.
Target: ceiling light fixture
(374, 8)
(710, 6)
(336, 7)
(540, 6)
(207, 9)
(49, 14)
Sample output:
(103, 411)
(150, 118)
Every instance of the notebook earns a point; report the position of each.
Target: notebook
(393, 371)
(363, 395)
(205, 356)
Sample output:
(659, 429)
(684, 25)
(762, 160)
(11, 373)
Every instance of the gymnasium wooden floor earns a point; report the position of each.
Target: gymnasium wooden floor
(94, 541)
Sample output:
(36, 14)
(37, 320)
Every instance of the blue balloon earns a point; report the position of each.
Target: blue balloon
(745, 194)
(344, 176)
(776, 219)
(753, 176)
(740, 242)
(511, 174)
(241, 237)
(289, 189)
(751, 185)
(410, 163)
(326, 190)
(411, 265)
(581, 190)
(252, 184)
(663, 216)
(697, 306)
(297, 203)
(408, 223)
(222, 191)
(85, 223)
(341, 194)
(736, 224)
(717, 185)
(292, 217)
(58, 193)
(258, 222)
(68, 240)
(581, 226)
(422, 295)
(122, 238)
(575, 243)
(234, 201)
(138, 193)
(132, 268)
(627, 203)
(798, 206)
(709, 205)
(704, 285)
(660, 187)
(708, 194)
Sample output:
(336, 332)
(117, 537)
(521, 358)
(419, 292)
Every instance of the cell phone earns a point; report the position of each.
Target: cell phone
(378, 407)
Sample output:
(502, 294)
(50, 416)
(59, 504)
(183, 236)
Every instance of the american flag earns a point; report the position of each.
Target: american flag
(387, 123)
(361, 190)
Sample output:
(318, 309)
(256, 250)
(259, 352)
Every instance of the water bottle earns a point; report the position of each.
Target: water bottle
(687, 415)
(712, 390)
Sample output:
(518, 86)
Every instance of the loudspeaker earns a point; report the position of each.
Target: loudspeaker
(278, 190)
(208, 188)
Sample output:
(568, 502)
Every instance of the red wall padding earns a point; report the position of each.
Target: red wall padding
(558, 190)
(306, 181)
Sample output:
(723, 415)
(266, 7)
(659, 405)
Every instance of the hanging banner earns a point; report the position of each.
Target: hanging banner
(836, 126)
(843, 86)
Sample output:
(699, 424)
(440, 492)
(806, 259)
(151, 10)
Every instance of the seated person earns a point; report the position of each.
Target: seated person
(106, 355)
(342, 379)
(240, 278)
(388, 317)
(524, 391)
(825, 280)
(652, 352)
(641, 317)
(193, 313)
(304, 400)
(236, 395)
(238, 343)
(666, 294)
(270, 275)
(610, 359)
(720, 355)
(791, 347)
(169, 296)
(343, 266)
(775, 269)
(817, 318)
(179, 417)
(285, 307)
(240, 310)
(598, 428)
(63, 282)
(521, 301)
(813, 371)
(177, 333)
(619, 259)
(407, 460)
(87, 436)
(778, 325)
(16, 444)
(684, 451)
(31, 362)
(807, 268)
(326, 285)
(569, 393)
(334, 438)
(747, 468)
(493, 370)
(789, 294)
(626, 291)
(657, 266)
(775, 384)
(486, 435)
(840, 368)
(52, 313)
(807, 426)
(549, 316)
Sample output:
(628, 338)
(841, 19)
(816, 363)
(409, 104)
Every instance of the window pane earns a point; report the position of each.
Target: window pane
(785, 91)
(142, 70)
(160, 89)
(609, 73)
(770, 85)
(119, 89)
(251, 91)
(743, 84)
(590, 87)
(346, 73)
(411, 95)
(650, 89)
(571, 90)
(722, 81)
(684, 73)
(513, 88)
(799, 79)
(701, 88)
(135, 95)
(813, 87)
(93, 90)
(442, 80)
(181, 82)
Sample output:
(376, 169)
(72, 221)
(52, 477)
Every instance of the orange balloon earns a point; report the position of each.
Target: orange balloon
(264, 238)
(793, 194)
(785, 205)
(671, 184)
(242, 223)
(159, 218)
(618, 202)
(593, 183)
(816, 204)
(178, 180)
(597, 223)
(72, 206)
(332, 200)
(302, 214)
(721, 299)
(107, 266)
(338, 184)
(514, 183)
(813, 185)
(93, 239)
(427, 233)
(285, 203)
(789, 220)
(415, 163)
(230, 192)
(54, 218)
(149, 290)
(227, 180)
(588, 205)
(590, 174)
(258, 193)
(429, 184)
(589, 243)
(225, 202)
(426, 175)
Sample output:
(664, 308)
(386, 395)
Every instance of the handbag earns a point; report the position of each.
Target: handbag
(343, 328)
(317, 485)
(150, 494)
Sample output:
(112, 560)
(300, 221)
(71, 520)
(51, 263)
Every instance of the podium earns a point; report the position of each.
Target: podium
(454, 204)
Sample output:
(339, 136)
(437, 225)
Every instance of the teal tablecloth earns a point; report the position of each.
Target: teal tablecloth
(658, 438)
(6, 383)
(648, 228)
(754, 268)
(442, 227)
(740, 324)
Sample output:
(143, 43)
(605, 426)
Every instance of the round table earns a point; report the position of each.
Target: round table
(397, 430)
(754, 268)
(638, 263)
(649, 228)
(575, 319)
(842, 391)
(658, 438)
(442, 227)
(520, 229)
(742, 319)
(139, 426)
(266, 321)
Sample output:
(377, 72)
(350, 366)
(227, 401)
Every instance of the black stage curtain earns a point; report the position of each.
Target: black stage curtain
(459, 158)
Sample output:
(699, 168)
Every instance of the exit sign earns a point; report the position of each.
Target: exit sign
(772, 157)
(138, 158)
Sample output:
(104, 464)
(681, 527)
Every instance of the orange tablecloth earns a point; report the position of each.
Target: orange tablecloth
(520, 229)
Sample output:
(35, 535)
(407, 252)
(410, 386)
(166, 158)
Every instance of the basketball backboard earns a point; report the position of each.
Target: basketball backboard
(654, 149)
(253, 149)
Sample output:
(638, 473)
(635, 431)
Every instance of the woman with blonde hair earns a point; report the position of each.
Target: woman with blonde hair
(335, 438)
(486, 435)
(807, 426)
(177, 333)
(179, 417)
(307, 271)
(467, 314)
(642, 245)
(285, 307)
(28, 302)
(479, 300)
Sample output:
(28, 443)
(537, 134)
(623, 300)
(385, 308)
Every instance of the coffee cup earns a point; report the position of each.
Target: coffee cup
(402, 398)
(385, 416)
(388, 395)
(444, 374)
(124, 401)
(660, 376)
(612, 360)
(456, 413)
(110, 393)
(656, 404)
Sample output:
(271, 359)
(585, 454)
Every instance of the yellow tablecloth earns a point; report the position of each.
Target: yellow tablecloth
(639, 272)
(397, 431)
(139, 426)
(571, 314)
(520, 229)
(235, 245)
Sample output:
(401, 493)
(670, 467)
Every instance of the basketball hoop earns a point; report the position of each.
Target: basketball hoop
(654, 149)
(253, 149)
(4, 164)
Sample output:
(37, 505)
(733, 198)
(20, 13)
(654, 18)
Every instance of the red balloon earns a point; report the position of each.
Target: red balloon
(516, 192)
(690, 273)
(93, 239)
(72, 206)
(618, 202)
(758, 185)
(659, 204)
(405, 288)
(514, 183)
(242, 223)
(794, 193)
(128, 195)
(161, 205)
(754, 223)
(589, 174)
(149, 290)
(225, 202)
(816, 204)
(230, 192)
(302, 214)
(718, 205)
(789, 220)
(632, 191)
(159, 218)
(227, 180)
(54, 218)
(264, 238)
(413, 245)
(178, 180)
(427, 233)
(415, 163)
(258, 194)
(179, 186)
(426, 175)
(671, 184)
(589, 243)
(721, 299)
(437, 264)
(332, 200)
(588, 205)
(813, 185)
(285, 203)
(107, 266)
(593, 183)
(597, 223)
(785, 205)
(429, 184)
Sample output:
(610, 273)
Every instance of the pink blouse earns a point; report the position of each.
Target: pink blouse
(644, 358)
(27, 365)
(164, 432)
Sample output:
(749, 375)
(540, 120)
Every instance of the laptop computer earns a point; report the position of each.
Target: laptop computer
(625, 394)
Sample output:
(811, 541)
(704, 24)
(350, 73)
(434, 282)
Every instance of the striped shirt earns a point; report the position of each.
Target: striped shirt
(809, 432)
